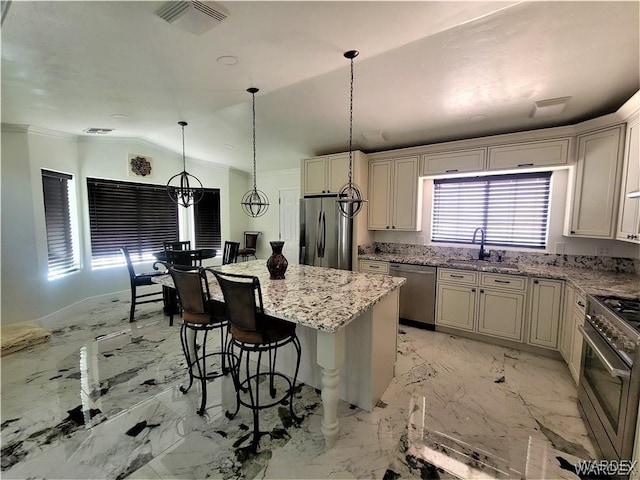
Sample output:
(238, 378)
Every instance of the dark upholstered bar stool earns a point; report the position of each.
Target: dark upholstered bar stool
(252, 332)
(198, 316)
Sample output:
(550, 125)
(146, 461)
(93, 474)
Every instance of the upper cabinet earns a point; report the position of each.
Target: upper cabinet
(326, 174)
(394, 191)
(458, 161)
(529, 155)
(629, 217)
(595, 185)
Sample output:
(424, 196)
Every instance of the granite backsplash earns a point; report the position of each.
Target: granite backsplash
(609, 264)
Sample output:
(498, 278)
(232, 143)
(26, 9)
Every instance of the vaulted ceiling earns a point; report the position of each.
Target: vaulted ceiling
(427, 72)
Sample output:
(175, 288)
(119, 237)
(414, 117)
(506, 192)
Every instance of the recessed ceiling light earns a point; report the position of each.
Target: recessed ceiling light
(549, 108)
(227, 60)
(229, 146)
(118, 115)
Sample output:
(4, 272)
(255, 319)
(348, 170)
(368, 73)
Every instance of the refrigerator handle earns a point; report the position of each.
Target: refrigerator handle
(319, 247)
(323, 235)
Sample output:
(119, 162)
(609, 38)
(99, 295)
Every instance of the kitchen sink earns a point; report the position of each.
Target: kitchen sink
(483, 263)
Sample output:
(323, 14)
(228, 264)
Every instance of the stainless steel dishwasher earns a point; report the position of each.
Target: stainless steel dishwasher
(417, 295)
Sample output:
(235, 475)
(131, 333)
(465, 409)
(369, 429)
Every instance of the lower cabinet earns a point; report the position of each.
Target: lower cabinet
(545, 312)
(469, 301)
(575, 359)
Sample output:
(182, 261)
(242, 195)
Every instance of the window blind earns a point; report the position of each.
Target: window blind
(57, 216)
(512, 209)
(206, 216)
(135, 215)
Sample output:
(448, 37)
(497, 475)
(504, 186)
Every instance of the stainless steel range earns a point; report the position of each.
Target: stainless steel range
(608, 393)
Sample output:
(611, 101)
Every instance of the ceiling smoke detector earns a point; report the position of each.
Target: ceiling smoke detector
(193, 16)
(100, 131)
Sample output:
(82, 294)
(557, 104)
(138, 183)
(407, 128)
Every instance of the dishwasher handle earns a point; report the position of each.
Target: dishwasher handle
(419, 271)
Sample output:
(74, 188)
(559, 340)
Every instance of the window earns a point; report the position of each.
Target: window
(512, 209)
(139, 216)
(206, 217)
(57, 215)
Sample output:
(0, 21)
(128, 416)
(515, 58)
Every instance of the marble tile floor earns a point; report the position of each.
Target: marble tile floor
(101, 400)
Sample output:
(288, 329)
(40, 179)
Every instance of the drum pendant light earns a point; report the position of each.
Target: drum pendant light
(187, 189)
(254, 203)
(350, 199)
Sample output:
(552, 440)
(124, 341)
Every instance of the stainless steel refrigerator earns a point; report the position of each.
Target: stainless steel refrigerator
(325, 235)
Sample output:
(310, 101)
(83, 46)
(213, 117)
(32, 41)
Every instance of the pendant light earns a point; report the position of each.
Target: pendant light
(254, 203)
(187, 190)
(350, 199)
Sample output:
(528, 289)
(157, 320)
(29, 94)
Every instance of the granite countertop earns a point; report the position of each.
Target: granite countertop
(588, 281)
(325, 299)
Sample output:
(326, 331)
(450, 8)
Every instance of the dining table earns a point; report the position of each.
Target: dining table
(347, 323)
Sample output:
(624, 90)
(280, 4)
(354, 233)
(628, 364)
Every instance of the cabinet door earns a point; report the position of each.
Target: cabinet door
(454, 162)
(315, 176)
(337, 172)
(500, 314)
(595, 195)
(546, 303)
(379, 194)
(629, 217)
(575, 362)
(405, 194)
(455, 306)
(566, 337)
(527, 155)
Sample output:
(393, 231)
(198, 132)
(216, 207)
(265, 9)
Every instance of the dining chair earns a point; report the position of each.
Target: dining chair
(250, 245)
(199, 315)
(185, 245)
(230, 252)
(252, 332)
(138, 280)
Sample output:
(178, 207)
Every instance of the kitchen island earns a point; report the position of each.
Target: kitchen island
(347, 325)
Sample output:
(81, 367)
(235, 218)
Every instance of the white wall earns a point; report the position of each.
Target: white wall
(26, 293)
(572, 245)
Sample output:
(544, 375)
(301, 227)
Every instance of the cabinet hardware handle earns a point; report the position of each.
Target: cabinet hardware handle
(580, 304)
(536, 282)
(374, 266)
(502, 281)
(525, 164)
(573, 231)
(481, 291)
(451, 171)
(387, 226)
(393, 226)
(473, 290)
(456, 276)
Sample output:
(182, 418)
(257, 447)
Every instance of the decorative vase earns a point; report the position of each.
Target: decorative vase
(277, 263)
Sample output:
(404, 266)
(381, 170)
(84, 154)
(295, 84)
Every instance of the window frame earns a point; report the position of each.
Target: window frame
(484, 202)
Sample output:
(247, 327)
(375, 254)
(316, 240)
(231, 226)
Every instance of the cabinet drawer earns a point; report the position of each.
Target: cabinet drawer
(458, 276)
(533, 154)
(454, 162)
(373, 266)
(511, 282)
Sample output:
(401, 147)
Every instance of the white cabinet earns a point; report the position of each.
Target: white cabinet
(545, 312)
(629, 216)
(374, 266)
(458, 161)
(326, 174)
(595, 185)
(529, 155)
(393, 194)
(571, 344)
(487, 303)
(566, 335)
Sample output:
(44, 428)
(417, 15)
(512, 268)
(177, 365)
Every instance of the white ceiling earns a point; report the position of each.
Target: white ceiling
(425, 69)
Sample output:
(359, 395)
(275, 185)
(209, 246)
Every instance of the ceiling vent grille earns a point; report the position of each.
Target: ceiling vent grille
(101, 131)
(193, 16)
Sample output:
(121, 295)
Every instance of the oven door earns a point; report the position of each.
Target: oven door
(605, 379)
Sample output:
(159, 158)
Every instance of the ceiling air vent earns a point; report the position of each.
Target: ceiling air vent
(193, 16)
(101, 131)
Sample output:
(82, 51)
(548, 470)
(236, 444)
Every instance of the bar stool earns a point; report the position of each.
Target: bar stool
(253, 332)
(198, 315)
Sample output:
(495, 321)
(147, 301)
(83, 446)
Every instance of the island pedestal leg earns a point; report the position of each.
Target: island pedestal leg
(330, 358)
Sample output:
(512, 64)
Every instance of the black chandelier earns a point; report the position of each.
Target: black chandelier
(184, 191)
(254, 203)
(350, 199)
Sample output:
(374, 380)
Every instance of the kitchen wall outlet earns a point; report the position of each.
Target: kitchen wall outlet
(603, 251)
(559, 247)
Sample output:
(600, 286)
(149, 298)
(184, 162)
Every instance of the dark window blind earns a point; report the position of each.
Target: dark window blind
(57, 215)
(206, 217)
(135, 215)
(512, 209)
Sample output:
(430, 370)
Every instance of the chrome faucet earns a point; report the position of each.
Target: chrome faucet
(482, 255)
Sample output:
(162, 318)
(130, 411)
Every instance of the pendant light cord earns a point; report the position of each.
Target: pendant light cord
(351, 122)
(253, 95)
(184, 161)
